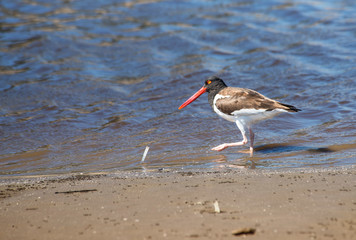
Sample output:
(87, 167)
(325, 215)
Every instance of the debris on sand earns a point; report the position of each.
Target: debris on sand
(77, 191)
(243, 231)
(216, 207)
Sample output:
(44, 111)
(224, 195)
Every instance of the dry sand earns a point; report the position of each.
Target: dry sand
(319, 204)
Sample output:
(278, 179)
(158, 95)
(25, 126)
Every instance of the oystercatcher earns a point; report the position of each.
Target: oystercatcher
(240, 105)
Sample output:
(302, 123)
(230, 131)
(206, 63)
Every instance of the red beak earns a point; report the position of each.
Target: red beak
(192, 98)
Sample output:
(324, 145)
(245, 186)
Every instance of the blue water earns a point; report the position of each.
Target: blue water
(85, 86)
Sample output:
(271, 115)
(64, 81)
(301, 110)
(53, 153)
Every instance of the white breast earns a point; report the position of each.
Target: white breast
(221, 114)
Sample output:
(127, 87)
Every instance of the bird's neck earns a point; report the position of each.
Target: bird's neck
(212, 93)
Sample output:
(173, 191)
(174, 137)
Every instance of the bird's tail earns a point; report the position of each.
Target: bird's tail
(291, 108)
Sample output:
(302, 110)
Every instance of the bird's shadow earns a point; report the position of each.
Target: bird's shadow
(248, 162)
(284, 148)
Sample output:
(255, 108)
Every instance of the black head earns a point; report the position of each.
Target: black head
(214, 84)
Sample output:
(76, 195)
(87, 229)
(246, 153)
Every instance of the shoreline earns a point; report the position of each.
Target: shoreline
(155, 172)
(255, 204)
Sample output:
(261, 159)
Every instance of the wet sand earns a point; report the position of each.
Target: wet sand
(254, 204)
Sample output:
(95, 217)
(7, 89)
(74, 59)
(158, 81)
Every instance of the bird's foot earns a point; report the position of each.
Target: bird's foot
(244, 151)
(220, 147)
(250, 151)
(226, 145)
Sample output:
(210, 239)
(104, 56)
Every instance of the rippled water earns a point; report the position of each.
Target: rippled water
(87, 85)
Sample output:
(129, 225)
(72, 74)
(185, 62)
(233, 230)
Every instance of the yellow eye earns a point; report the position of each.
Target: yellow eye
(208, 82)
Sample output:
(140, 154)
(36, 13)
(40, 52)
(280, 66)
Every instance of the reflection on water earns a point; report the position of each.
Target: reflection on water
(86, 86)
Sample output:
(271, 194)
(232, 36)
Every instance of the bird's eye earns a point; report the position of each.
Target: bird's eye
(208, 82)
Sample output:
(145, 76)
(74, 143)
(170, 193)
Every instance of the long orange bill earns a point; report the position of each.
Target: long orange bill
(192, 98)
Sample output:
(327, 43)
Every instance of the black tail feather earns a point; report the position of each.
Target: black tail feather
(291, 108)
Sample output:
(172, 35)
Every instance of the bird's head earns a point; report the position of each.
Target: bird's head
(212, 84)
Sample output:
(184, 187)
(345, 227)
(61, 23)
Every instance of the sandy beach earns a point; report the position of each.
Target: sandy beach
(234, 204)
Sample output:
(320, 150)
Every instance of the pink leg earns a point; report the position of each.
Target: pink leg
(252, 138)
(226, 145)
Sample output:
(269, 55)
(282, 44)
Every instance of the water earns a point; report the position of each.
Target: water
(85, 86)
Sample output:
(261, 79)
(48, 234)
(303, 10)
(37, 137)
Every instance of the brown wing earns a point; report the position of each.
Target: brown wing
(242, 98)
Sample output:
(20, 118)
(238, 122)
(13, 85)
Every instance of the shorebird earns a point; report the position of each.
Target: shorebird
(242, 106)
